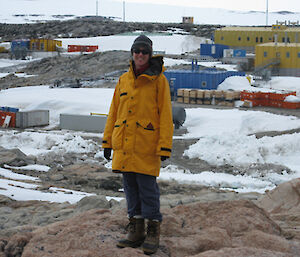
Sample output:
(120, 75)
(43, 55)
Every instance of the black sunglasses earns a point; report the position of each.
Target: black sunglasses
(143, 51)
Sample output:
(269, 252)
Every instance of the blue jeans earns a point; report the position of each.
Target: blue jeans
(142, 195)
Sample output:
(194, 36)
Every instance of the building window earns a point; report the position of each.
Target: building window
(248, 38)
(261, 39)
(298, 54)
(204, 84)
(222, 38)
(265, 54)
(239, 38)
(287, 54)
(256, 39)
(283, 40)
(278, 55)
(288, 40)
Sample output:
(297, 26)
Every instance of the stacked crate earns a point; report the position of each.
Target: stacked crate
(193, 96)
(200, 96)
(180, 95)
(207, 94)
(207, 97)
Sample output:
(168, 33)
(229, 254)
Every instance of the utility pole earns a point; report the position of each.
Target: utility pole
(123, 11)
(267, 12)
(96, 7)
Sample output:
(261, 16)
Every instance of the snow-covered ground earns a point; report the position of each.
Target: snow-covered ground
(224, 138)
(170, 44)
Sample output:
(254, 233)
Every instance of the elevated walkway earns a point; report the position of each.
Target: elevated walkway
(267, 64)
(264, 70)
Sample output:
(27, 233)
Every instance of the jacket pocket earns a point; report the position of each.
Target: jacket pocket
(146, 138)
(118, 134)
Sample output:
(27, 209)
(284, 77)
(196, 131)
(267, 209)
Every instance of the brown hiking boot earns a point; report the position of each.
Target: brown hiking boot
(136, 234)
(151, 242)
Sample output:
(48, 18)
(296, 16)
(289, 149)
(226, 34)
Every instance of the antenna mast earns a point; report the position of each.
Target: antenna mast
(124, 11)
(96, 7)
(267, 12)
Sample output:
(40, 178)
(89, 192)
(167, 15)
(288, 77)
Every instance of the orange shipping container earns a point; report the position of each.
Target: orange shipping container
(82, 48)
(3, 116)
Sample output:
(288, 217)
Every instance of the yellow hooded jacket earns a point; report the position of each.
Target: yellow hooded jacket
(139, 126)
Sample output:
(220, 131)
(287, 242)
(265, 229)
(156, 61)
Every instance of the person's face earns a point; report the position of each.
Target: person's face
(140, 56)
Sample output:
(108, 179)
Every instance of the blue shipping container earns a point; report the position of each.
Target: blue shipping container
(213, 50)
(8, 109)
(204, 79)
(20, 43)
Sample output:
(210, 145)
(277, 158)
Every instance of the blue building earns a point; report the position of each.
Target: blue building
(19, 48)
(213, 50)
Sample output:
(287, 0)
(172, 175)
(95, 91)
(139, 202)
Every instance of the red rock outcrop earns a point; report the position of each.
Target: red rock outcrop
(283, 205)
(229, 228)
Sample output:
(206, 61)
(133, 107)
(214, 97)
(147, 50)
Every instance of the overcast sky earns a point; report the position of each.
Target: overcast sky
(255, 5)
(114, 7)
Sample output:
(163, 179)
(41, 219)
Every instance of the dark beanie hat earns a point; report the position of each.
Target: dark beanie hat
(143, 41)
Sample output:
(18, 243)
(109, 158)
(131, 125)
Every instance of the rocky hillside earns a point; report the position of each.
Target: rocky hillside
(198, 221)
(88, 67)
(94, 26)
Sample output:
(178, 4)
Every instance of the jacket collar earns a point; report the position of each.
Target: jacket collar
(155, 66)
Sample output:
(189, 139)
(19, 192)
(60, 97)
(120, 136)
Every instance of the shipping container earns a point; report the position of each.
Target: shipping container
(46, 45)
(32, 118)
(19, 48)
(82, 48)
(213, 50)
(7, 116)
(203, 79)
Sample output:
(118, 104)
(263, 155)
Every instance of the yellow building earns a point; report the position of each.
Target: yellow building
(249, 37)
(188, 19)
(282, 58)
(47, 45)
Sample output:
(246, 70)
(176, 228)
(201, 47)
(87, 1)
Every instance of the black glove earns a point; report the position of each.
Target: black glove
(107, 153)
(163, 158)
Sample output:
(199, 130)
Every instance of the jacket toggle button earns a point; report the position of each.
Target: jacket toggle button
(124, 153)
(129, 111)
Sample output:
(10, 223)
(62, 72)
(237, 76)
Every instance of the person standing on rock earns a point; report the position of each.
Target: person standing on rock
(139, 130)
